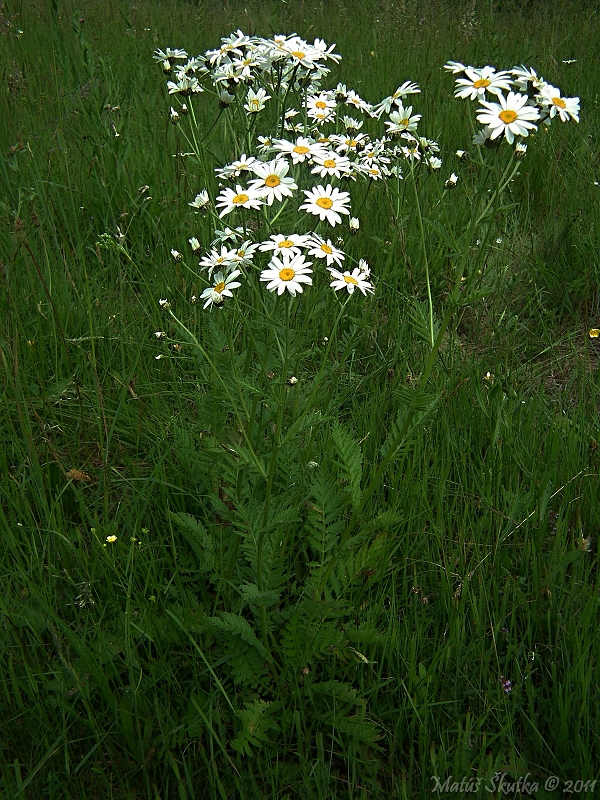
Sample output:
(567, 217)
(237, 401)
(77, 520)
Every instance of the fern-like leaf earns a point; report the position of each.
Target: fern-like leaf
(256, 720)
(350, 461)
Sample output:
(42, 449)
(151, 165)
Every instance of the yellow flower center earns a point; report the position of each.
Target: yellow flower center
(241, 253)
(481, 83)
(299, 54)
(301, 149)
(286, 274)
(558, 101)
(286, 243)
(405, 122)
(320, 104)
(326, 249)
(350, 279)
(351, 142)
(255, 102)
(329, 163)
(272, 181)
(508, 116)
(240, 198)
(219, 287)
(324, 202)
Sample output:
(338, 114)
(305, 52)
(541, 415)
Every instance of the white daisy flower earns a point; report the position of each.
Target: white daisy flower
(245, 65)
(526, 76)
(565, 107)
(244, 253)
(455, 67)
(287, 273)
(374, 154)
(372, 170)
(185, 86)
(412, 151)
(303, 149)
(364, 267)
(387, 104)
(350, 144)
(215, 295)
(279, 243)
(218, 260)
(327, 52)
(352, 125)
(320, 117)
(230, 199)
(319, 103)
(353, 99)
(512, 116)
(350, 281)
(255, 101)
(482, 136)
(201, 202)
(169, 55)
(520, 150)
(321, 248)
(272, 183)
(227, 234)
(300, 52)
(479, 81)
(331, 164)
(236, 168)
(326, 203)
(265, 145)
(225, 98)
(341, 92)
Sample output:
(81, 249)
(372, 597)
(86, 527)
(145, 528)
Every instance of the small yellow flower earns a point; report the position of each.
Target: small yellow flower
(594, 333)
(111, 539)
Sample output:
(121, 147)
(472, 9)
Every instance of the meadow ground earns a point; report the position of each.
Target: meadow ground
(378, 581)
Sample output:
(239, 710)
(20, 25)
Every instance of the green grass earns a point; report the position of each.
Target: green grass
(321, 632)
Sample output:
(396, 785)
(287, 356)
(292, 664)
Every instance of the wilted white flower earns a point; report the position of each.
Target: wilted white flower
(201, 201)
(520, 150)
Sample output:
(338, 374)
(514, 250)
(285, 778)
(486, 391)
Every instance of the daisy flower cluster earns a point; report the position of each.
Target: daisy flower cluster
(283, 199)
(512, 102)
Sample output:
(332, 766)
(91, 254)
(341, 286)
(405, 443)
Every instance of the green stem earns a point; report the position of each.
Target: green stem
(424, 248)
